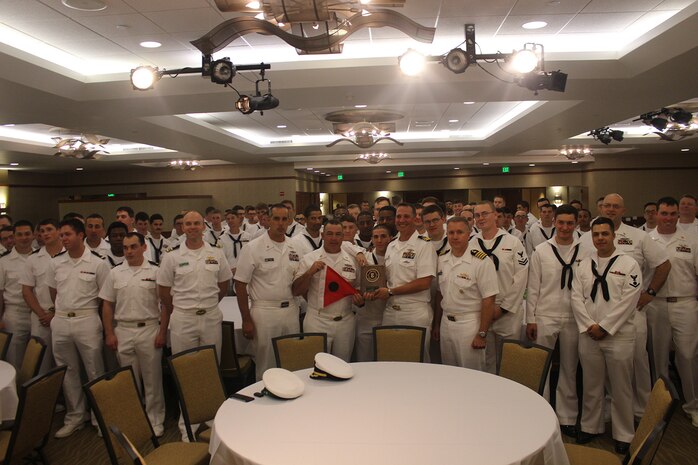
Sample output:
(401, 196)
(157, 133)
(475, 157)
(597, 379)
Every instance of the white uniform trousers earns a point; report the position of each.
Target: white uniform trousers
(677, 321)
(367, 317)
(457, 332)
(17, 321)
(74, 339)
(270, 321)
(44, 332)
(508, 326)
(612, 356)
(136, 347)
(195, 328)
(642, 382)
(340, 330)
(417, 314)
(564, 328)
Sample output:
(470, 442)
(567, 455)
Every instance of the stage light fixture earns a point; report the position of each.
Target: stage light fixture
(541, 80)
(258, 102)
(144, 77)
(524, 61)
(456, 61)
(606, 135)
(411, 62)
(681, 116)
(222, 71)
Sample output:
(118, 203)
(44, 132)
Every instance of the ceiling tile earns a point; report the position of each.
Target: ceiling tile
(546, 7)
(674, 4)
(166, 5)
(88, 48)
(24, 9)
(135, 24)
(620, 6)
(450, 8)
(168, 42)
(56, 30)
(512, 25)
(113, 7)
(194, 19)
(454, 27)
(598, 22)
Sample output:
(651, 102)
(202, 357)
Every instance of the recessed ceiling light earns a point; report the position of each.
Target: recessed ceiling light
(456, 168)
(328, 174)
(361, 105)
(253, 5)
(531, 164)
(316, 171)
(486, 164)
(468, 103)
(388, 172)
(85, 5)
(453, 121)
(683, 150)
(14, 164)
(534, 25)
(79, 169)
(309, 169)
(150, 44)
(574, 162)
(281, 126)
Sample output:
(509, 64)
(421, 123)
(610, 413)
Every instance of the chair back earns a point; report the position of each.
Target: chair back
(644, 454)
(525, 363)
(399, 343)
(134, 456)
(229, 356)
(31, 363)
(115, 400)
(660, 406)
(5, 338)
(37, 402)
(199, 385)
(297, 351)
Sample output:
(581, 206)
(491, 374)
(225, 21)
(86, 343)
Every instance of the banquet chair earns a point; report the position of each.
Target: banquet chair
(31, 363)
(5, 338)
(199, 387)
(297, 351)
(398, 343)
(32, 425)
(233, 366)
(525, 363)
(659, 409)
(115, 400)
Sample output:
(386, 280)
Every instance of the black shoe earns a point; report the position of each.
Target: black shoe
(569, 430)
(622, 447)
(583, 438)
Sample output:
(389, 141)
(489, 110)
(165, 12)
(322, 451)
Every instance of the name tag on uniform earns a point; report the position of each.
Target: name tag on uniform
(269, 259)
(148, 279)
(616, 272)
(183, 264)
(88, 272)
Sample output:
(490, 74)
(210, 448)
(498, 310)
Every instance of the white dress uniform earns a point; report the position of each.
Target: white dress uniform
(268, 268)
(511, 263)
(101, 248)
(673, 315)
(34, 276)
(250, 228)
(112, 260)
(649, 255)
(516, 233)
(156, 247)
(294, 229)
(77, 329)
(304, 244)
(367, 245)
(608, 299)
(136, 318)
(17, 316)
(337, 319)
(691, 228)
(232, 246)
(174, 240)
(212, 237)
(549, 306)
(463, 282)
(537, 234)
(368, 316)
(406, 261)
(193, 276)
(532, 219)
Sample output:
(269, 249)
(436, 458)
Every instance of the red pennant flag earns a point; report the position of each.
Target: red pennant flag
(336, 287)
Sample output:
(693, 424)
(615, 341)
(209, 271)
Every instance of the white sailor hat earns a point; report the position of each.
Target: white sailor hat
(332, 368)
(282, 383)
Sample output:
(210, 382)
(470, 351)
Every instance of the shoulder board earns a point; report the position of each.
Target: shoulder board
(478, 254)
(34, 251)
(444, 252)
(97, 254)
(153, 263)
(59, 254)
(5, 253)
(424, 238)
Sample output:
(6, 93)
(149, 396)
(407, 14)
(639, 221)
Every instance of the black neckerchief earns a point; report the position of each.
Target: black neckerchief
(489, 252)
(236, 242)
(443, 246)
(292, 231)
(158, 250)
(542, 231)
(566, 267)
(601, 279)
(312, 242)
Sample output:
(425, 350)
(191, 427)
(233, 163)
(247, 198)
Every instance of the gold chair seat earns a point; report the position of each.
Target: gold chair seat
(581, 455)
(179, 453)
(205, 436)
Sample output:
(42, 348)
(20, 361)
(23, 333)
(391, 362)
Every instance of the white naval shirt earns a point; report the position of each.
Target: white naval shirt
(11, 268)
(691, 228)
(156, 247)
(513, 268)
(344, 264)
(212, 237)
(546, 296)
(406, 261)
(537, 234)
(101, 248)
(516, 233)
(34, 275)
(268, 268)
(294, 229)
(464, 281)
(304, 244)
(194, 275)
(111, 259)
(134, 289)
(250, 228)
(363, 244)
(77, 282)
(440, 245)
(624, 286)
(682, 250)
(233, 244)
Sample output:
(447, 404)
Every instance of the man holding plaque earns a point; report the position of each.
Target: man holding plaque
(328, 277)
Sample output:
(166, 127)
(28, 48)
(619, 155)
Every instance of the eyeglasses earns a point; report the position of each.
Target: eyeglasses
(482, 215)
(430, 222)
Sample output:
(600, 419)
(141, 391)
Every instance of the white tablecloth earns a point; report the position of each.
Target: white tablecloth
(392, 413)
(231, 312)
(8, 392)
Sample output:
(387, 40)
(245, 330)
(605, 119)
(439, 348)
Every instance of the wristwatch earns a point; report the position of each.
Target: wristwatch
(390, 293)
(651, 292)
(482, 334)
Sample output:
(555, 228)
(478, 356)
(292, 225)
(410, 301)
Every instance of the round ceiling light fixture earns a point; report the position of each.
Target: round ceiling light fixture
(534, 25)
(85, 5)
(150, 44)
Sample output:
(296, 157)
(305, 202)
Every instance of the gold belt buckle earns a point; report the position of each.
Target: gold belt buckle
(71, 314)
(672, 299)
(395, 307)
(140, 324)
(201, 311)
(451, 318)
(337, 318)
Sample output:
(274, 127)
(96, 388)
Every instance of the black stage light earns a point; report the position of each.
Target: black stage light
(681, 116)
(222, 71)
(617, 135)
(456, 61)
(659, 123)
(541, 80)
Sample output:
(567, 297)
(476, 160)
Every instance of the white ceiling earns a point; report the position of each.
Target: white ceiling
(61, 67)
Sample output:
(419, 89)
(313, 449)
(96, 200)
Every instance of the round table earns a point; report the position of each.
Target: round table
(231, 312)
(8, 391)
(392, 413)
